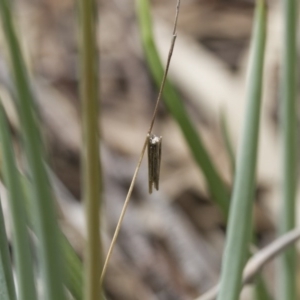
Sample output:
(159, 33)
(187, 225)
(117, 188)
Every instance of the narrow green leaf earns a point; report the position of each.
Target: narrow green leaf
(218, 190)
(7, 286)
(73, 278)
(91, 167)
(288, 265)
(240, 218)
(227, 141)
(21, 245)
(47, 228)
(261, 290)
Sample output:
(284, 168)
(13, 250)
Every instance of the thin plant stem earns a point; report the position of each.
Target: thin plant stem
(47, 230)
(261, 291)
(91, 169)
(21, 244)
(288, 265)
(7, 285)
(118, 227)
(240, 217)
(174, 36)
(227, 141)
(217, 187)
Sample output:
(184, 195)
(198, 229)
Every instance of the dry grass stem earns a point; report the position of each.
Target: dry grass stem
(118, 227)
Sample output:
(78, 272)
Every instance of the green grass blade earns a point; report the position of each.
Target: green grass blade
(91, 170)
(261, 291)
(73, 278)
(23, 259)
(7, 286)
(227, 141)
(173, 102)
(288, 264)
(240, 218)
(47, 228)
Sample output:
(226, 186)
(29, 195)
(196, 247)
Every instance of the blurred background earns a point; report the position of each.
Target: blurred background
(171, 242)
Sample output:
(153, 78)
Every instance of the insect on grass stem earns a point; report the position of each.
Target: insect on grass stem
(118, 227)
